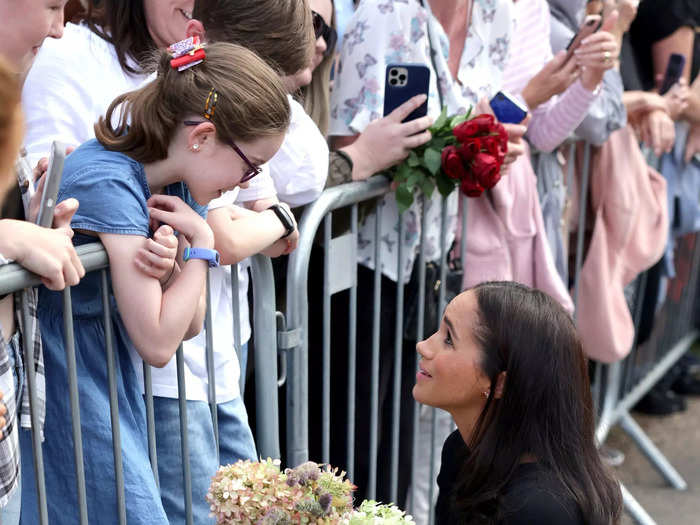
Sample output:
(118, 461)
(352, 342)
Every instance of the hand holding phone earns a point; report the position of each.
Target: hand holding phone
(591, 24)
(674, 72)
(51, 183)
(507, 109)
(403, 82)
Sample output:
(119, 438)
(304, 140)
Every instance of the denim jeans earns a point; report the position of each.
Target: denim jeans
(236, 442)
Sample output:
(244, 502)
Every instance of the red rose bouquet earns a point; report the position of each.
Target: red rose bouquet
(464, 151)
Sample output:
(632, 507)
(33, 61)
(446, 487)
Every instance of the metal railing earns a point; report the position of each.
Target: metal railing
(616, 387)
(13, 278)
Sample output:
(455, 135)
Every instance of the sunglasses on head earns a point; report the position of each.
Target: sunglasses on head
(321, 29)
(252, 170)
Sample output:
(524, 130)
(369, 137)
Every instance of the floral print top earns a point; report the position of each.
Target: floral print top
(384, 32)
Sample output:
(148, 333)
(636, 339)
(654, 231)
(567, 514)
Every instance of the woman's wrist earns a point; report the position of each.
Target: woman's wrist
(275, 226)
(360, 167)
(11, 238)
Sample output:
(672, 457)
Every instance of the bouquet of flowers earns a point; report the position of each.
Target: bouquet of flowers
(259, 493)
(464, 151)
(373, 513)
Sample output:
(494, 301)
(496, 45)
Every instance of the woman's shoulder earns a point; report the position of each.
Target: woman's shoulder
(536, 495)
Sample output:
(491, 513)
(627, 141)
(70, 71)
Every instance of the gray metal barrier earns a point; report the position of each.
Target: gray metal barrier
(13, 278)
(616, 387)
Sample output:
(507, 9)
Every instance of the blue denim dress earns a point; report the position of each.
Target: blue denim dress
(112, 191)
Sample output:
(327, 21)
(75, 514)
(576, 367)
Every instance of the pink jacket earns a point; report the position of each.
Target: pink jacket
(630, 232)
(506, 239)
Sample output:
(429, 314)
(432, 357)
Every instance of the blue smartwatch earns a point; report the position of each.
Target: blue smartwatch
(211, 256)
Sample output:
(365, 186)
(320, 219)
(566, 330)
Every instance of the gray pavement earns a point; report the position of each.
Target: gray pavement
(678, 437)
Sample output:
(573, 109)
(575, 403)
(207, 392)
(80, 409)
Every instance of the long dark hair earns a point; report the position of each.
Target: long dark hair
(122, 23)
(545, 411)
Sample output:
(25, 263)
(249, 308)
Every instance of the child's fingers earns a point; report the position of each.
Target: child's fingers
(163, 263)
(164, 231)
(147, 269)
(160, 249)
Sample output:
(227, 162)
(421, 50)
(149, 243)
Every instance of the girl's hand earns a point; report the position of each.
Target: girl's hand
(656, 130)
(387, 141)
(676, 98)
(175, 212)
(157, 258)
(598, 53)
(515, 142)
(554, 78)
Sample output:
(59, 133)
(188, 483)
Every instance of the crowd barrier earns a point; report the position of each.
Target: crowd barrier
(617, 387)
(13, 278)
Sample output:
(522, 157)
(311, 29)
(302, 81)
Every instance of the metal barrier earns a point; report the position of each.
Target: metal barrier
(616, 388)
(13, 278)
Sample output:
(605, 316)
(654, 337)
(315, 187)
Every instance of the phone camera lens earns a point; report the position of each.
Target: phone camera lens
(393, 72)
(393, 82)
(402, 78)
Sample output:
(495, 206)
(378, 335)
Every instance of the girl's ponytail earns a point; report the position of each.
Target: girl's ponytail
(252, 103)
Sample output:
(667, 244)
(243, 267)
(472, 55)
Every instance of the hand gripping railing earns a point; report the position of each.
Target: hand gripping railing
(14, 278)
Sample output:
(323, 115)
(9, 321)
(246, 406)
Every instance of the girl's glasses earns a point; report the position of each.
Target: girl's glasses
(321, 29)
(252, 171)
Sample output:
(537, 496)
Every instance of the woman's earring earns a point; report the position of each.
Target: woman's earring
(485, 393)
(195, 147)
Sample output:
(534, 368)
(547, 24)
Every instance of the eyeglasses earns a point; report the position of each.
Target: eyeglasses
(321, 29)
(252, 171)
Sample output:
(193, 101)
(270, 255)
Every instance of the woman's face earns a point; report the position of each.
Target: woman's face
(166, 20)
(26, 23)
(450, 375)
(325, 9)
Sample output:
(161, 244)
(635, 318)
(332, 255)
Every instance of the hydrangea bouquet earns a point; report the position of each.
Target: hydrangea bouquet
(259, 493)
(464, 151)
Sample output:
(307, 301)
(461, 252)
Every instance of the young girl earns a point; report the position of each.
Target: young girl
(508, 366)
(180, 142)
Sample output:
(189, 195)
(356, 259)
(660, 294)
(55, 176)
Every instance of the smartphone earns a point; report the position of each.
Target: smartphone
(507, 109)
(25, 178)
(51, 184)
(674, 72)
(402, 82)
(590, 25)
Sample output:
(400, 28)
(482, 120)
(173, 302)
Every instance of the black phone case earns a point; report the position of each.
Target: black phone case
(418, 82)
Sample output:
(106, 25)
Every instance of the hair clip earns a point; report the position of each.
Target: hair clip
(187, 53)
(210, 104)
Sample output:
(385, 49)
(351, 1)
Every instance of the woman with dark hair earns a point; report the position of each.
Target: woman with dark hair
(507, 364)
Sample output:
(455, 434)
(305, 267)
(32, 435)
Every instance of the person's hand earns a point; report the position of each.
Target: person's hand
(628, 12)
(676, 99)
(3, 411)
(516, 147)
(283, 246)
(157, 258)
(167, 209)
(49, 253)
(598, 53)
(656, 130)
(387, 141)
(554, 78)
(692, 144)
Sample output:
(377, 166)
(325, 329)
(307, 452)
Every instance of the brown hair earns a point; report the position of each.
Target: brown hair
(11, 126)
(252, 103)
(280, 31)
(122, 23)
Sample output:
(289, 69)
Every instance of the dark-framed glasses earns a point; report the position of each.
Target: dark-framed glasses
(321, 29)
(252, 170)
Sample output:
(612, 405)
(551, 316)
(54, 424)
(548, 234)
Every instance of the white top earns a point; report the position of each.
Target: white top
(383, 33)
(71, 84)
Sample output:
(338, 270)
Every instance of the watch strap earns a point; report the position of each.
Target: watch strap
(211, 256)
(284, 218)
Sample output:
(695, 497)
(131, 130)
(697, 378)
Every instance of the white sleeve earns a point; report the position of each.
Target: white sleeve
(261, 187)
(56, 100)
(300, 167)
(227, 199)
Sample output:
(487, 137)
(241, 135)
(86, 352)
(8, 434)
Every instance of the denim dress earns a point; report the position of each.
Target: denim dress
(112, 191)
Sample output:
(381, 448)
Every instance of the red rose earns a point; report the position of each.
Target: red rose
(486, 169)
(452, 163)
(479, 125)
(470, 148)
(493, 145)
(503, 135)
(471, 187)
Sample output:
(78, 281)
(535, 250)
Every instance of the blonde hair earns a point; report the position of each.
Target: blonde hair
(11, 124)
(316, 96)
(252, 103)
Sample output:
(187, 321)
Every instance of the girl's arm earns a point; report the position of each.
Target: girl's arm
(157, 321)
